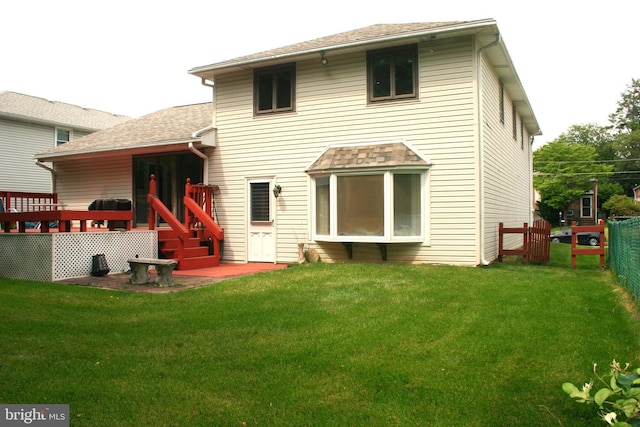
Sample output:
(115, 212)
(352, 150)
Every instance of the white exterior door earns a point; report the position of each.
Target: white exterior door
(261, 238)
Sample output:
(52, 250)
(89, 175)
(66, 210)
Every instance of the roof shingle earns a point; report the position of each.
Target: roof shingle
(171, 125)
(40, 110)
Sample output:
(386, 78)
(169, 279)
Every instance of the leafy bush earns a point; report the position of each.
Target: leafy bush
(618, 398)
(621, 205)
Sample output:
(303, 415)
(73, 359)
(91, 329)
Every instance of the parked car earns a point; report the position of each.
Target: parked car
(587, 238)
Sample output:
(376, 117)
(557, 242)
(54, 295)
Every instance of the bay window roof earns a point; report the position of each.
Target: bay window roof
(370, 156)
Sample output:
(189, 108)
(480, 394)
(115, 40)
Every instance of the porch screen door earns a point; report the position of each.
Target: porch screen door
(261, 222)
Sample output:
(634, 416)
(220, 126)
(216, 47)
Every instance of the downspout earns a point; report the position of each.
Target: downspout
(53, 174)
(205, 168)
(481, 220)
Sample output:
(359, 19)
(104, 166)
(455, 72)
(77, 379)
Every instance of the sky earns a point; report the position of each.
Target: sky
(132, 57)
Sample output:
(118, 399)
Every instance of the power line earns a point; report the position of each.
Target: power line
(586, 161)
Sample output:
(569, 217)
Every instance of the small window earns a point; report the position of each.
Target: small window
(514, 118)
(62, 136)
(392, 74)
(586, 207)
(274, 89)
(501, 102)
(521, 134)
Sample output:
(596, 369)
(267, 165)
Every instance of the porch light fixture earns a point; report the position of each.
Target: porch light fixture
(323, 60)
(277, 190)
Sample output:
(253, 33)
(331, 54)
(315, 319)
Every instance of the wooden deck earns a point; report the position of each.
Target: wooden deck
(64, 219)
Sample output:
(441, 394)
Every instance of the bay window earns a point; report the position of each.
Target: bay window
(370, 206)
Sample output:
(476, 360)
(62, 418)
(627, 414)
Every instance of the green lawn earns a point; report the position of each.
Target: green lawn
(324, 344)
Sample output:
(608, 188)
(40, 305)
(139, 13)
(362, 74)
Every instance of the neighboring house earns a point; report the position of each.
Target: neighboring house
(581, 210)
(403, 142)
(29, 124)
(636, 194)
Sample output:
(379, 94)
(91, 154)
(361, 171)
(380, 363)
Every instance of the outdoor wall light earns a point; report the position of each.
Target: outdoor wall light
(277, 190)
(323, 60)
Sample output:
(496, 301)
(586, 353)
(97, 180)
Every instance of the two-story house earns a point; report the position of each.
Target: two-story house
(30, 124)
(402, 142)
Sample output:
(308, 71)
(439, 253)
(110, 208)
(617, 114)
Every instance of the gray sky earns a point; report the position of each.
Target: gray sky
(132, 57)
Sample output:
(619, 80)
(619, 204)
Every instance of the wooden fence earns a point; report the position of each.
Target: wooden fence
(535, 241)
(597, 250)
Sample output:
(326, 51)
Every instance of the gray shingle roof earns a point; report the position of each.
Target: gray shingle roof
(40, 110)
(164, 127)
(386, 155)
(373, 33)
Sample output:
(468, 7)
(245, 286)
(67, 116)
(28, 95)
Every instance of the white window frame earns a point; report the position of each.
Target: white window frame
(388, 235)
(582, 206)
(60, 142)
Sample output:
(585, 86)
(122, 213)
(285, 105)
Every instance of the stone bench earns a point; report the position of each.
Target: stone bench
(140, 271)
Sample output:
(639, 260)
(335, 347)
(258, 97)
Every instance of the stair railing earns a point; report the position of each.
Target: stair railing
(198, 208)
(156, 207)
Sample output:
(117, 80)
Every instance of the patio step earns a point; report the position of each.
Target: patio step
(198, 262)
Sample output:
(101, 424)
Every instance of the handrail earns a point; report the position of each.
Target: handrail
(157, 207)
(198, 207)
(213, 229)
(29, 202)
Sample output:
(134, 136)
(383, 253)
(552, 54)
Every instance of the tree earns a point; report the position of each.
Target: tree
(627, 115)
(599, 137)
(627, 148)
(563, 171)
(621, 205)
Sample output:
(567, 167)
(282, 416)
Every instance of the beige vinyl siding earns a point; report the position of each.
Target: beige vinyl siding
(332, 109)
(80, 182)
(20, 142)
(507, 173)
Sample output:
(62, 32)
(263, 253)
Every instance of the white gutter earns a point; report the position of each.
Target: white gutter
(481, 213)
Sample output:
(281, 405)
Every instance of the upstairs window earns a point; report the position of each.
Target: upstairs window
(274, 89)
(392, 74)
(62, 136)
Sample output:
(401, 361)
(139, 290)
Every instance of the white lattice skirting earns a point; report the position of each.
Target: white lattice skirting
(47, 257)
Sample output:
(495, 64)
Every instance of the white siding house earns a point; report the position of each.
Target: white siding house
(460, 121)
(29, 125)
(403, 142)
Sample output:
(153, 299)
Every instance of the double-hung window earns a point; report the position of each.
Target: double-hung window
(392, 73)
(274, 89)
(62, 136)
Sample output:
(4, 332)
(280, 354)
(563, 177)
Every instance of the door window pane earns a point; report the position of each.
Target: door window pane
(260, 202)
(360, 205)
(406, 205)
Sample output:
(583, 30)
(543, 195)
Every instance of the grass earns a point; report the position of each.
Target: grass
(340, 344)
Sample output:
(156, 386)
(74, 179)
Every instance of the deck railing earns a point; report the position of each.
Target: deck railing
(198, 214)
(17, 201)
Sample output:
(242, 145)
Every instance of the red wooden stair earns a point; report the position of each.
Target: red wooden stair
(197, 242)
